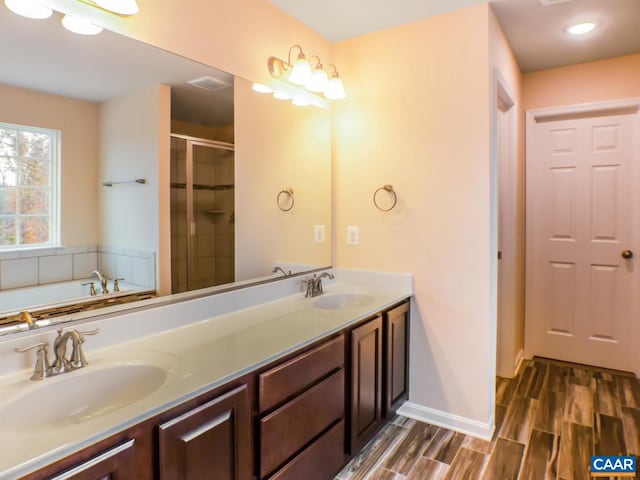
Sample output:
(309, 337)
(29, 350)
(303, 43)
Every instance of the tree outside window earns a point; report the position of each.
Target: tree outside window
(28, 186)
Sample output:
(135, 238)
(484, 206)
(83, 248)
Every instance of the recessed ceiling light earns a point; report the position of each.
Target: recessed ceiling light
(582, 28)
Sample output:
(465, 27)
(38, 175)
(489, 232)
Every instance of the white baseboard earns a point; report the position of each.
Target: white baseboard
(447, 420)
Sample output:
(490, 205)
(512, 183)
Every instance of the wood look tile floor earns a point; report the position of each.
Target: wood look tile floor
(550, 419)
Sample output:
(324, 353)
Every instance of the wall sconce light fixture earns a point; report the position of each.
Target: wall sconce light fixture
(304, 82)
(40, 9)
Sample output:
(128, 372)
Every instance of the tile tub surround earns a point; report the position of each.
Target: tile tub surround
(135, 266)
(41, 266)
(543, 431)
(42, 297)
(231, 333)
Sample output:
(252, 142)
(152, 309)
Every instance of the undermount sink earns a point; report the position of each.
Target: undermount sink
(342, 300)
(81, 395)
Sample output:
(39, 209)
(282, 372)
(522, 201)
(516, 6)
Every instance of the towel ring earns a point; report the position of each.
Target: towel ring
(288, 192)
(386, 188)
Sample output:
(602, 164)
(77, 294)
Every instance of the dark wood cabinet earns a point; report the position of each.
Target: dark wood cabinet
(300, 417)
(210, 441)
(117, 463)
(320, 461)
(366, 382)
(396, 353)
(303, 409)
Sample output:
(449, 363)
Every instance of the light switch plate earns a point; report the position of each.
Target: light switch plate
(353, 235)
(319, 234)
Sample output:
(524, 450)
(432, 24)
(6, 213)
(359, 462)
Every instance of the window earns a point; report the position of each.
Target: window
(29, 162)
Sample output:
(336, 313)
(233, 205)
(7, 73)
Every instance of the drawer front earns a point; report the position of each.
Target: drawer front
(288, 429)
(292, 377)
(320, 461)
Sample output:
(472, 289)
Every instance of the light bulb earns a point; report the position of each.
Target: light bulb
(29, 8)
(80, 26)
(123, 7)
(300, 101)
(318, 81)
(335, 89)
(282, 95)
(582, 28)
(301, 71)
(262, 88)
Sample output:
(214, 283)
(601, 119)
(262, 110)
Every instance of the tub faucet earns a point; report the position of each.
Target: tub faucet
(103, 280)
(279, 269)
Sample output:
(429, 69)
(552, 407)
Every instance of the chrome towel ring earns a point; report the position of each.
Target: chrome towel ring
(284, 198)
(392, 193)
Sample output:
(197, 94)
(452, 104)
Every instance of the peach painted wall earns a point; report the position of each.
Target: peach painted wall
(511, 208)
(78, 122)
(296, 155)
(417, 117)
(609, 79)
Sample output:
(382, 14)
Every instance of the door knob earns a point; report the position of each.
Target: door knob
(627, 254)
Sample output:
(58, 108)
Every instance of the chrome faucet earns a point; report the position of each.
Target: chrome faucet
(313, 286)
(61, 364)
(103, 280)
(279, 269)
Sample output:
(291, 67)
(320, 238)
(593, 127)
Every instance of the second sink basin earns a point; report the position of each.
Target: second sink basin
(342, 300)
(81, 395)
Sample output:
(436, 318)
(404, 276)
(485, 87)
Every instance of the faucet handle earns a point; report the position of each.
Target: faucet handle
(92, 288)
(42, 368)
(88, 332)
(78, 359)
(116, 285)
(38, 345)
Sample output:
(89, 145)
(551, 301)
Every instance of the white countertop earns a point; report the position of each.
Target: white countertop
(199, 355)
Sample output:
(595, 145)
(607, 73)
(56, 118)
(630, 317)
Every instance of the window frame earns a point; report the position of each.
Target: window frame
(55, 191)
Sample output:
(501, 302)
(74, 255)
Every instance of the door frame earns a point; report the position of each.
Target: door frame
(532, 118)
(504, 146)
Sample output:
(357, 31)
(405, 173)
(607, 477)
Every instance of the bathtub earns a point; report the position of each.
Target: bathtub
(43, 296)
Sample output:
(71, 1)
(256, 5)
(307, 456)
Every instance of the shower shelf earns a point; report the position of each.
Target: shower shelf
(198, 186)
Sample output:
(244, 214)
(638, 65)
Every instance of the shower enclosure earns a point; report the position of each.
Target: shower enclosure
(202, 213)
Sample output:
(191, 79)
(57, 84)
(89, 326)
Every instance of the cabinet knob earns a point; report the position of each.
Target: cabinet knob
(627, 254)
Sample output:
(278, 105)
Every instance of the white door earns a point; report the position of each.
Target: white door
(582, 218)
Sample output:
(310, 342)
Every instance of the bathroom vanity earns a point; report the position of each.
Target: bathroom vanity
(286, 389)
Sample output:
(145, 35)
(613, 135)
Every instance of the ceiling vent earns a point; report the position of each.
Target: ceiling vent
(209, 83)
(548, 3)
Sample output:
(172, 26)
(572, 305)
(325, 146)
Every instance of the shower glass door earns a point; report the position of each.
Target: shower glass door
(203, 238)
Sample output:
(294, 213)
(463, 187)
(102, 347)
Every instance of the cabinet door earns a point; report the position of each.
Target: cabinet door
(116, 463)
(212, 441)
(366, 382)
(396, 383)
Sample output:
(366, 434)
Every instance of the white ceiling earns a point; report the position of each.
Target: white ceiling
(338, 20)
(536, 33)
(41, 55)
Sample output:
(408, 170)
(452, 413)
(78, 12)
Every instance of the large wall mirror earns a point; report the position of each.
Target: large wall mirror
(147, 167)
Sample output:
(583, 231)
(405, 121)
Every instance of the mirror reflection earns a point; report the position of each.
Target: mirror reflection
(122, 161)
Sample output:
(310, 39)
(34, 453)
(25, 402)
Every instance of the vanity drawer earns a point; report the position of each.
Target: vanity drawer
(320, 460)
(288, 429)
(292, 377)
